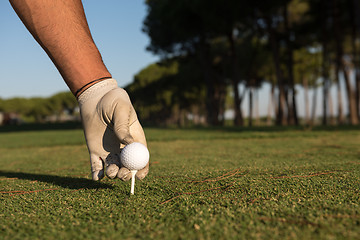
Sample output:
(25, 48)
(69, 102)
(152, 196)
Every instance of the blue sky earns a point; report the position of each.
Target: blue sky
(26, 70)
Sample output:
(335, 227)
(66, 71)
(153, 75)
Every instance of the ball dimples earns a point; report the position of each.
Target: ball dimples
(135, 156)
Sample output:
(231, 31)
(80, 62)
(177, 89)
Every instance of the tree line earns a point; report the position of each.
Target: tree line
(210, 48)
(37, 109)
(216, 53)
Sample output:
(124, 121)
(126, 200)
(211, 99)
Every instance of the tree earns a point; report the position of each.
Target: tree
(176, 29)
(164, 93)
(229, 39)
(339, 62)
(307, 69)
(38, 108)
(188, 28)
(269, 19)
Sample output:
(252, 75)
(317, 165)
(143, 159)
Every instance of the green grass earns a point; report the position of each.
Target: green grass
(228, 183)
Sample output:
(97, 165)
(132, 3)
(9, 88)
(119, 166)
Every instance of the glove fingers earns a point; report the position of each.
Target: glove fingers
(97, 175)
(97, 167)
(112, 165)
(112, 170)
(124, 174)
(117, 110)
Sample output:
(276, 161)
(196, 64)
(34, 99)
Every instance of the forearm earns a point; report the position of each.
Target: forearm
(60, 27)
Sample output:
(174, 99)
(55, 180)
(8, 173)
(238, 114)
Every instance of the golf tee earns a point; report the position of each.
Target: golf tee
(133, 173)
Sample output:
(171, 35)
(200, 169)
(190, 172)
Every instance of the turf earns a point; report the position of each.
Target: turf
(228, 183)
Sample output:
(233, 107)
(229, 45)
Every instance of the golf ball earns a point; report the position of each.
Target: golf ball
(134, 156)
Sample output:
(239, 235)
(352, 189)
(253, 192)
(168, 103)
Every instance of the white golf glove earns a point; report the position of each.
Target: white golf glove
(110, 122)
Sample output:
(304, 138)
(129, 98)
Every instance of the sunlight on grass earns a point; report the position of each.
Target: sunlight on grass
(203, 184)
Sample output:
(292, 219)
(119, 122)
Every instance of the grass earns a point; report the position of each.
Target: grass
(228, 183)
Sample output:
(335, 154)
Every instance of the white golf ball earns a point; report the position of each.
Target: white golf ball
(134, 156)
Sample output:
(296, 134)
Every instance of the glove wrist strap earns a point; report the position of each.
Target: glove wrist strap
(97, 90)
(89, 84)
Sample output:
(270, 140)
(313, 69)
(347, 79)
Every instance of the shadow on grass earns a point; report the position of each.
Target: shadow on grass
(65, 182)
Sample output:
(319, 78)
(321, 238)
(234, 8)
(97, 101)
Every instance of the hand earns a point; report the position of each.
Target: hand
(110, 123)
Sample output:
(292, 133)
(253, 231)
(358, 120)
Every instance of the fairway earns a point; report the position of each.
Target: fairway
(224, 183)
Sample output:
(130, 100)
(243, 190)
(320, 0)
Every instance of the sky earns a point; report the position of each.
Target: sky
(26, 71)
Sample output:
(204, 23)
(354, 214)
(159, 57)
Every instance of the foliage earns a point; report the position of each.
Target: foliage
(188, 28)
(248, 42)
(37, 109)
(164, 92)
(307, 65)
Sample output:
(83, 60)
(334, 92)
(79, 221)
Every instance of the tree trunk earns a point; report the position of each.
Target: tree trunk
(339, 53)
(250, 106)
(354, 9)
(325, 59)
(238, 120)
(326, 84)
(276, 105)
(350, 96)
(293, 118)
(288, 104)
(331, 111)
(281, 118)
(211, 103)
(341, 65)
(220, 100)
(270, 105)
(257, 114)
(340, 117)
(313, 110)
(357, 20)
